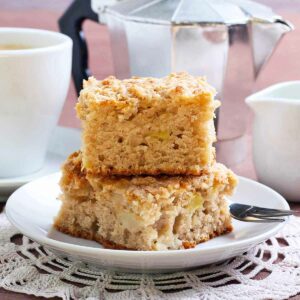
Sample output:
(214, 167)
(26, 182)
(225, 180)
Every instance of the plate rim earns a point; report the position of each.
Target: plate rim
(81, 249)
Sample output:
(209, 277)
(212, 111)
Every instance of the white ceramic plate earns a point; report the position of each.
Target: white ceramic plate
(33, 206)
(63, 142)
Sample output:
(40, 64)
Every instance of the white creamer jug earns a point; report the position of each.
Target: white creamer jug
(276, 137)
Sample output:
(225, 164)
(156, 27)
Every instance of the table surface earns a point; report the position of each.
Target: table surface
(285, 65)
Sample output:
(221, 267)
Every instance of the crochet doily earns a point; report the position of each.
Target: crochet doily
(270, 270)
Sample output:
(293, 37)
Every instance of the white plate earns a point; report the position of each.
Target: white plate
(63, 142)
(33, 206)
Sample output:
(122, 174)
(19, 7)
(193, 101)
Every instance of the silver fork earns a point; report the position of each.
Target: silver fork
(249, 213)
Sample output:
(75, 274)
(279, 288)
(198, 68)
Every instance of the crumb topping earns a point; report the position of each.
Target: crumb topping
(175, 85)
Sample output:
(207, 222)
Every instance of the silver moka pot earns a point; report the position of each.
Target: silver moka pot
(228, 41)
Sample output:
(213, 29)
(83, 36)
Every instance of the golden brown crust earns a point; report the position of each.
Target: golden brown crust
(152, 172)
(188, 245)
(89, 236)
(122, 92)
(74, 232)
(111, 245)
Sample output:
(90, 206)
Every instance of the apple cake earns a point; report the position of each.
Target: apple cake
(147, 126)
(144, 212)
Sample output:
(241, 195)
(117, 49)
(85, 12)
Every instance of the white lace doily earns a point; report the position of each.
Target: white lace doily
(271, 270)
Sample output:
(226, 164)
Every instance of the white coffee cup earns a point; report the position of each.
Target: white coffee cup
(33, 85)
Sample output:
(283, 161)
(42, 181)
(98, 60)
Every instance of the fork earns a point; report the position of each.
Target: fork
(249, 213)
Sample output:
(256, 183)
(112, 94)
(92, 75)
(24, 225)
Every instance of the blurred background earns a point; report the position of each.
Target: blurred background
(284, 65)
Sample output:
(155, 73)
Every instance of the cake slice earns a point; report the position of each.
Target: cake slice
(145, 213)
(147, 125)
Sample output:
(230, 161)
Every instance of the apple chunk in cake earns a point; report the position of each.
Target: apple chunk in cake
(145, 213)
(147, 125)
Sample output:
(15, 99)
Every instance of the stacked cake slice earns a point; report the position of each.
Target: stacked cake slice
(146, 177)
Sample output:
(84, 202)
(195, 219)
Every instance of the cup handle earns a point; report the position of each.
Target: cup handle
(70, 24)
